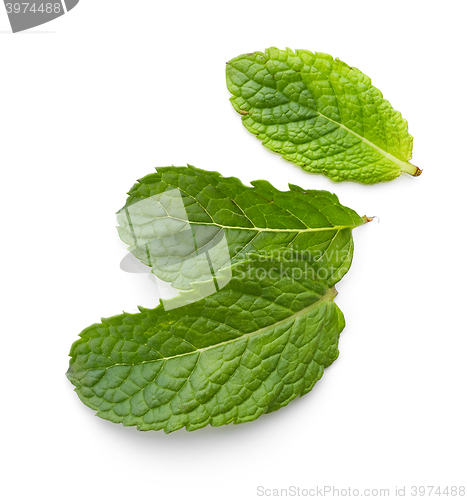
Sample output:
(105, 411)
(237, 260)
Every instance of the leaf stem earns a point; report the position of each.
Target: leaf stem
(411, 169)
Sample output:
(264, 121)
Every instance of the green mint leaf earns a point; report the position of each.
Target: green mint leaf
(249, 349)
(187, 224)
(257, 340)
(320, 114)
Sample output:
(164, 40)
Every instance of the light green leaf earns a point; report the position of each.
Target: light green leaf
(188, 224)
(249, 349)
(320, 114)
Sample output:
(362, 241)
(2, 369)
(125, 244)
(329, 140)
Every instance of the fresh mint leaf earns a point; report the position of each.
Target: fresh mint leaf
(246, 350)
(321, 114)
(259, 341)
(175, 215)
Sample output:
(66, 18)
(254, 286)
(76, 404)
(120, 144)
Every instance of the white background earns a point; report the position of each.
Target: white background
(93, 101)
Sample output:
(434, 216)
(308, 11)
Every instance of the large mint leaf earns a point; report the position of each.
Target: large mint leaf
(249, 349)
(320, 114)
(188, 224)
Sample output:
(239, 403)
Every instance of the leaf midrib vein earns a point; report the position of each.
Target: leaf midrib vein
(327, 297)
(258, 229)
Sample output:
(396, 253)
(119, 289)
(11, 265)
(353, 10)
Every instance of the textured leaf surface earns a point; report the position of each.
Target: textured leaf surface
(261, 340)
(320, 114)
(159, 225)
(247, 350)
